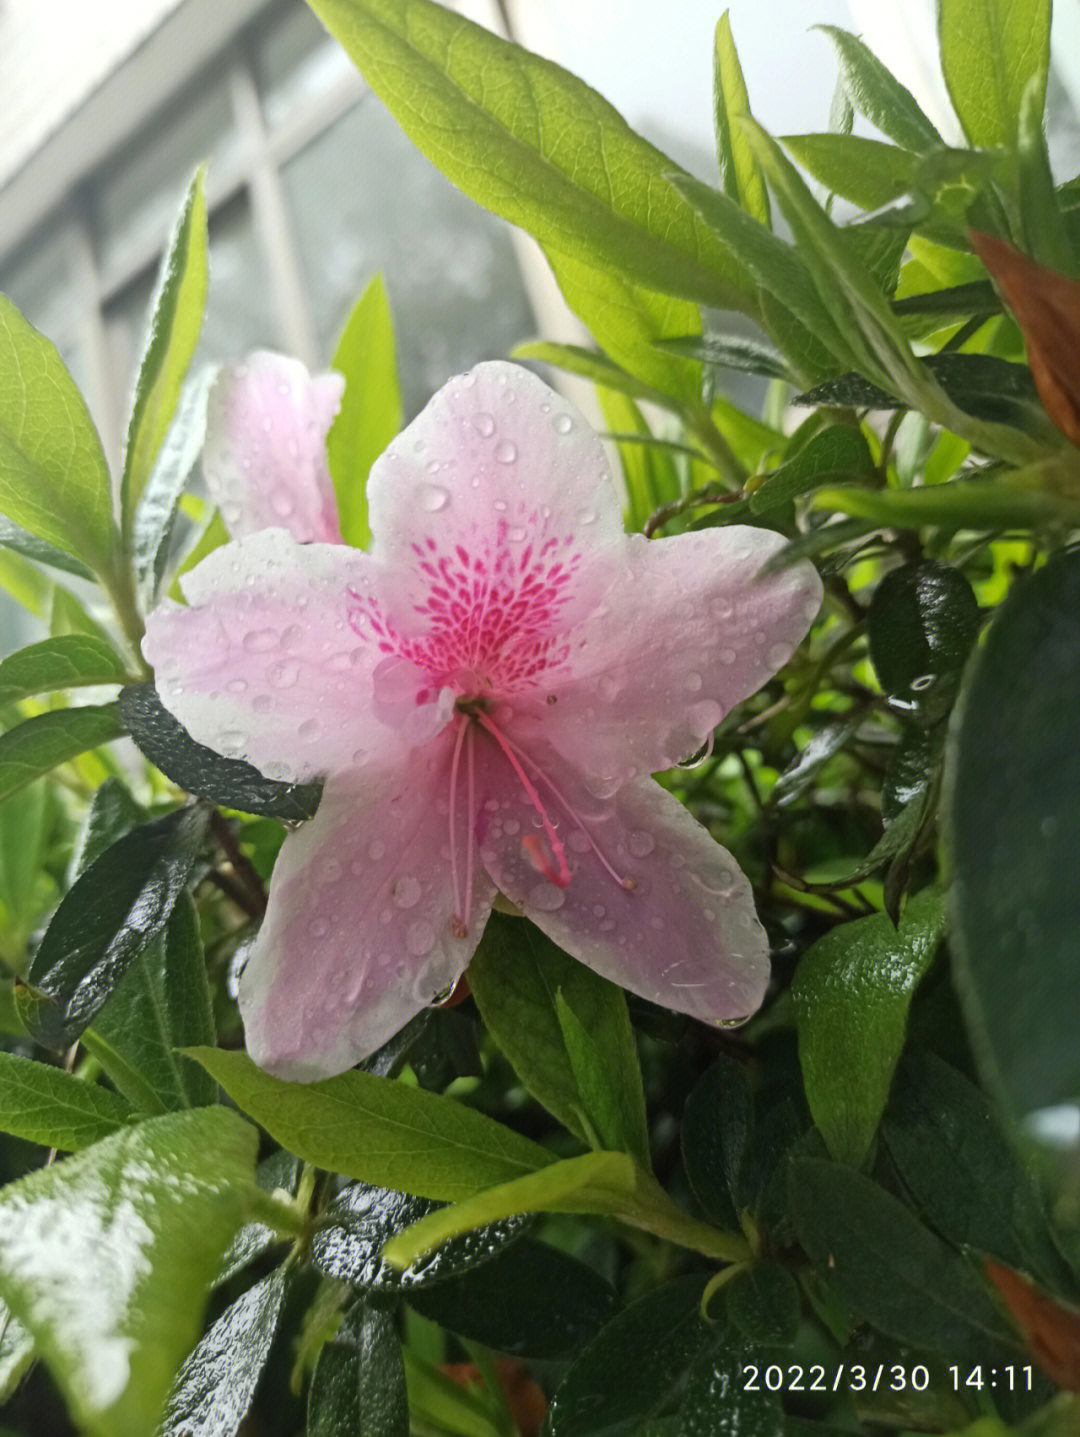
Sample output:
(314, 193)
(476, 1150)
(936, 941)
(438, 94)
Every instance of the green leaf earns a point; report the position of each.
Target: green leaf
(965, 1175)
(16, 1355)
(38, 745)
(739, 174)
(161, 1004)
(1011, 814)
(54, 480)
(531, 1301)
(23, 542)
(990, 51)
(45, 1105)
(370, 413)
(363, 1219)
(515, 976)
(764, 1305)
(174, 332)
(600, 1104)
(648, 467)
(602, 1184)
(281, 1170)
(633, 1366)
(107, 918)
(878, 95)
(716, 1123)
(26, 824)
(377, 1130)
(70, 661)
(536, 145)
(591, 364)
(893, 1271)
(112, 813)
(215, 1386)
(869, 173)
(383, 1405)
(719, 1402)
(922, 624)
(156, 512)
(192, 766)
(835, 453)
(453, 1409)
(745, 355)
(1046, 236)
(852, 991)
(142, 1218)
(334, 1394)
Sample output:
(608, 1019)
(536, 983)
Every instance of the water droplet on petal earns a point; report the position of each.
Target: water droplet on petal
(546, 897)
(506, 451)
(237, 686)
(563, 423)
(318, 927)
(406, 891)
(231, 741)
(420, 938)
(733, 1022)
(484, 424)
(261, 641)
(231, 514)
(376, 850)
(693, 683)
(281, 502)
(587, 516)
(779, 654)
(432, 498)
(308, 729)
(285, 674)
(699, 756)
(640, 843)
(727, 656)
(358, 756)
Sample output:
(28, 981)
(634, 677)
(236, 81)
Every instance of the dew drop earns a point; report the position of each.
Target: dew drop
(778, 655)
(578, 842)
(231, 741)
(358, 756)
(406, 891)
(318, 928)
(285, 674)
(331, 871)
(506, 451)
(640, 843)
(262, 704)
(727, 656)
(699, 756)
(281, 502)
(587, 516)
(237, 686)
(563, 423)
(432, 498)
(609, 687)
(232, 514)
(261, 641)
(922, 683)
(484, 424)
(420, 938)
(733, 1022)
(693, 683)
(308, 729)
(547, 898)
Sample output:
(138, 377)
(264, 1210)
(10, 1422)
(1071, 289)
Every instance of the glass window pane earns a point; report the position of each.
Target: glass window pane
(364, 200)
(295, 64)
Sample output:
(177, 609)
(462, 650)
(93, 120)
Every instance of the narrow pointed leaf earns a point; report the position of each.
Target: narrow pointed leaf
(370, 413)
(739, 174)
(38, 745)
(12, 536)
(70, 661)
(869, 173)
(175, 324)
(45, 1105)
(591, 364)
(836, 453)
(378, 1130)
(54, 480)
(878, 95)
(143, 1218)
(533, 143)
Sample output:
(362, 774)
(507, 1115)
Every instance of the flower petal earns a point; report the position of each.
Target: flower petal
(267, 665)
(265, 454)
(679, 929)
(499, 475)
(688, 631)
(359, 932)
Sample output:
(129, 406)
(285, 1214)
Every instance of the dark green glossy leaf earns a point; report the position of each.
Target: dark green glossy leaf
(833, 454)
(742, 354)
(964, 1173)
(979, 297)
(334, 1395)
(160, 1005)
(384, 1404)
(40, 744)
(852, 991)
(107, 918)
(155, 514)
(214, 1388)
(142, 1218)
(531, 1300)
(629, 1370)
(990, 51)
(48, 1106)
(739, 174)
(536, 145)
(716, 1123)
(71, 661)
(370, 413)
(829, 740)
(1012, 817)
(279, 1170)
(893, 1271)
(364, 1218)
(719, 1402)
(922, 624)
(378, 1130)
(515, 977)
(199, 770)
(54, 480)
(912, 767)
(764, 1305)
(176, 319)
(112, 813)
(21, 541)
(878, 95)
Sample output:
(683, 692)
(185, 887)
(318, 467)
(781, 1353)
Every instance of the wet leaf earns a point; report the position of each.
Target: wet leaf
(107, 918)
(142, 1218)
(71, 661)
(836, 453)
(230, 782)
(1011, 815)
(38, 745)
(48, 1106)
(720, 1403)
(852, 991)
(716, 1124)
(922, 625)
(384, 1403)
(763, 1304)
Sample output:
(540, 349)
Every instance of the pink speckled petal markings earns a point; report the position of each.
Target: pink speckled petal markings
(361, 931)
(649, 899)
(265, 456)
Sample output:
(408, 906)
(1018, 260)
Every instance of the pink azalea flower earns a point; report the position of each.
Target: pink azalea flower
(487, 693)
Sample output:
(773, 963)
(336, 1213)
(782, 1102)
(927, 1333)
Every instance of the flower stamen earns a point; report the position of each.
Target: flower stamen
(462, 910)
(560, 876)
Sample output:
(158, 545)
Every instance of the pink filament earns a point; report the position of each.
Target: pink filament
(560, 876)
(463, 910)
